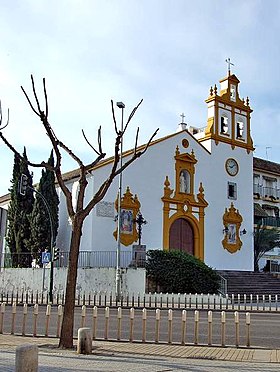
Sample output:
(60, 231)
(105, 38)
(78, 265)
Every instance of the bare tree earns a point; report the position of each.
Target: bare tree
(78, 214)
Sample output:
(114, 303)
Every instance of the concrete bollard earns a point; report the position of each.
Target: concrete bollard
(119, 323)
(24, 318)
(94, 322)
(59, 319)
(35, 318)
(131, 328)
(236, 320)
(106, 328)
(84, 345)
(210, 329)
(14, 311)
(223, 328)
(83, 320)
(157, 325)
(170, 319)
(248, 324)
(144, 324)
(183, 327)
(48, 314)
(27, 358)
(196, 326)
(2, 312)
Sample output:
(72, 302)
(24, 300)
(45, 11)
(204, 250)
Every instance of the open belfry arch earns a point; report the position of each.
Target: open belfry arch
(183, 211)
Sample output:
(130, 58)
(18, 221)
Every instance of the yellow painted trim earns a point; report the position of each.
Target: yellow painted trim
(130, 203)
(178, 204)
(232, 217)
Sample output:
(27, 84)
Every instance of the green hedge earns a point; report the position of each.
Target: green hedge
(178, 272)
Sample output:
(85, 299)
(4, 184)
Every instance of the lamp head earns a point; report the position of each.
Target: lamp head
(121, 105)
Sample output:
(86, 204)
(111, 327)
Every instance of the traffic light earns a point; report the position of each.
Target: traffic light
(23, 184)
(55, 256)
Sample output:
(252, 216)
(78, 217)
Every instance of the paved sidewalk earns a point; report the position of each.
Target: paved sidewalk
(117, 356)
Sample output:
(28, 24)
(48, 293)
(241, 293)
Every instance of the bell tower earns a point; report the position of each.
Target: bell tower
(229, 116)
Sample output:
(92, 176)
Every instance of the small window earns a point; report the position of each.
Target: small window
(232, 190)
(232, 92)
(239, 129)
(224, 125)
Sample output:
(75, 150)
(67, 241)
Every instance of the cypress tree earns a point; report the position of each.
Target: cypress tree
(40, 221)
(13, 216)
(19, 211)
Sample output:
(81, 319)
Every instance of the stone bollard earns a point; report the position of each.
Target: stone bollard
(84, 345)
(27, 358)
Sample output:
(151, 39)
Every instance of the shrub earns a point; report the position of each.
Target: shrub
(179, 272)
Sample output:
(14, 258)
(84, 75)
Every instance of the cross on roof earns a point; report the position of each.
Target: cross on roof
(183, 117)
(229, 64)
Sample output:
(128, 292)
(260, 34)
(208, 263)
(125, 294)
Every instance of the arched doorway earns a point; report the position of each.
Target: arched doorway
(181, 236)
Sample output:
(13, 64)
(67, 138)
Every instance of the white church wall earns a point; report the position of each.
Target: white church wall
(145, 178)
(88, 280)
(64, 231)
(216, 186)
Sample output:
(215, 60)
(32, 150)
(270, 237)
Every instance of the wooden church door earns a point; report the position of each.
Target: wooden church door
(181, 236)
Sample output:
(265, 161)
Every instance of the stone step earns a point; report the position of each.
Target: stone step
(247, 282)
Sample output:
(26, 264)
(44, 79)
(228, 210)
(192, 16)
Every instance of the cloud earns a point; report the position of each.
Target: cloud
(168, 53)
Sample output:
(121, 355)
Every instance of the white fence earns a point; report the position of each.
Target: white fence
(244, 302)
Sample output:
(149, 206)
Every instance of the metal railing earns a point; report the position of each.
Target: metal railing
(268, 221)
(86, 259)
(130, 325)
(223, 285)
(266, 192)
(234, 302)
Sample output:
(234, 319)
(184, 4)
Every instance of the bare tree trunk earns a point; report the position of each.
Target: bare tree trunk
(66, 337)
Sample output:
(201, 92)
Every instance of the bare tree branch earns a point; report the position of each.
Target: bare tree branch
(90, 145)
(35, 165)
(1, 117)
(114, 118)
(70, 153)
(136, 155)
(91, 165)
(114, 171)
(136, 140)
(46, 98)
(131, 115)
(30, 103)
(78, 215)
(35, 95)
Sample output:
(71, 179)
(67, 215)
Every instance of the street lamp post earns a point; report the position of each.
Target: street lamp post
(52, 242)
(120, 105)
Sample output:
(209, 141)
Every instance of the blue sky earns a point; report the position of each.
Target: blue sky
(167, 52)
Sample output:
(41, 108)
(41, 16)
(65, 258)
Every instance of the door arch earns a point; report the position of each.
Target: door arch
(181, 236)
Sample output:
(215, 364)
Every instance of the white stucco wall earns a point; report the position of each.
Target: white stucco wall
(88, 280)
(146, 178)
(216, 194)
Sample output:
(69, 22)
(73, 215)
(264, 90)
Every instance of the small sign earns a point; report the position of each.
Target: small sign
(46, 257)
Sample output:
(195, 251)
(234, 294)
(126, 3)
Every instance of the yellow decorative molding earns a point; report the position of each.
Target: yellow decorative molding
(224, 99)
(232, 221)
(130, 207)
(182, 203)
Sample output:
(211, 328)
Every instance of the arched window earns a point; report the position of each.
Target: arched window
(239, 129)
(224, 125)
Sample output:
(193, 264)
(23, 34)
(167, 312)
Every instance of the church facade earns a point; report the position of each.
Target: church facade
(193, 187)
